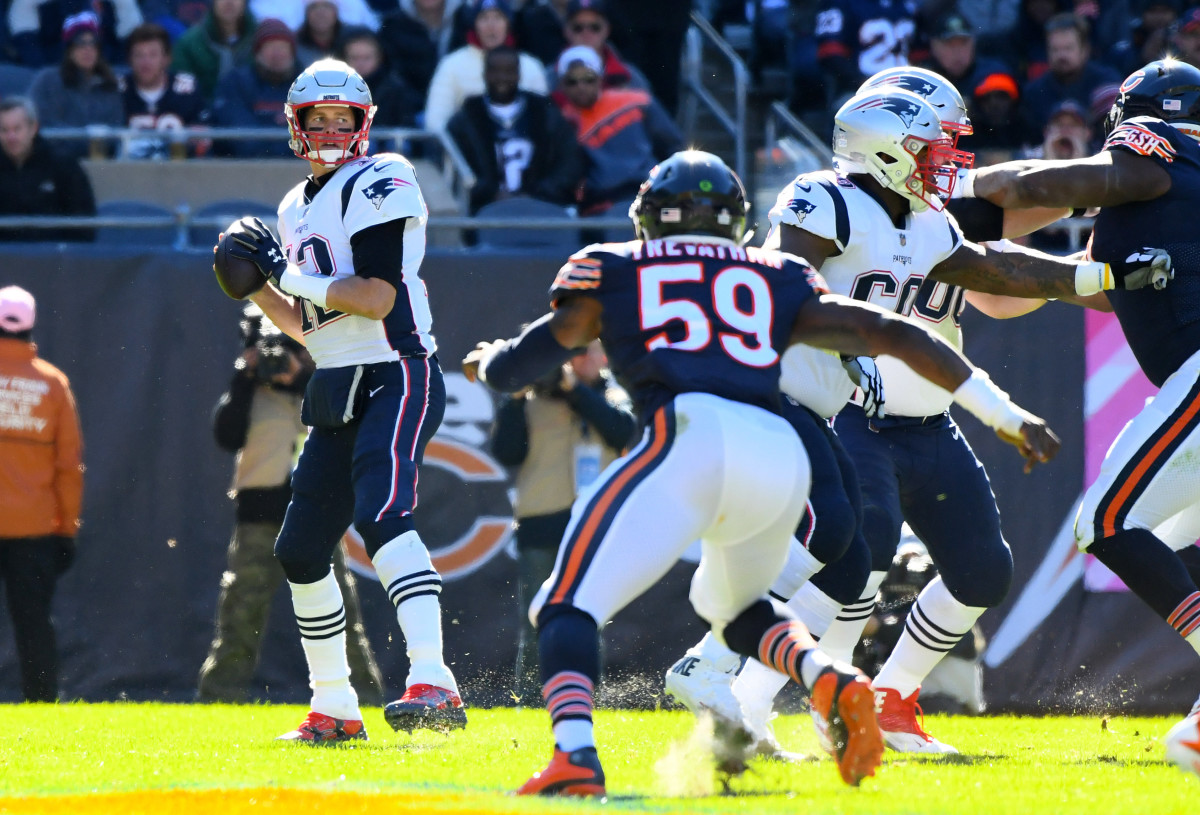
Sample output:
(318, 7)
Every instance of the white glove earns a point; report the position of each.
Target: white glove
(865, 375)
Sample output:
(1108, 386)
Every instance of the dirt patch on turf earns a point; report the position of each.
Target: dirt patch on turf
(253, 801)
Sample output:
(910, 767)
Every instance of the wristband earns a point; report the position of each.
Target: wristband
(1092, 277)
(980, 396)
(313, 288)
(964, 186)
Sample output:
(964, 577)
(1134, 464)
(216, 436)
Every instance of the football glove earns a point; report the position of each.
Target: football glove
(865, 375)
(1143, 267)
(256, 244)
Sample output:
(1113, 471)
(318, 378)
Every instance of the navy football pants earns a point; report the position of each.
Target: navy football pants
(365, 472)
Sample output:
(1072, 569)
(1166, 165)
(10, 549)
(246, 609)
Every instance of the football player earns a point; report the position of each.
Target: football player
(694, 325)
(1146, 179)
(345, 282)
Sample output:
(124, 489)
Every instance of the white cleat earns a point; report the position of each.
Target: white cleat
(1183, 742)
(898, 722)
(758, 719)
(705, 687)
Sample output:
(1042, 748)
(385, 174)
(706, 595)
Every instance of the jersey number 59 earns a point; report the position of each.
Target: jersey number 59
(752, 322)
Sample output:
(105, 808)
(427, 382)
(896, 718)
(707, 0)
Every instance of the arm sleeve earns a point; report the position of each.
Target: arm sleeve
(379, 251)
(980, 220)
(614, 423)
(68, 469)
(510, 432)
(231, 416)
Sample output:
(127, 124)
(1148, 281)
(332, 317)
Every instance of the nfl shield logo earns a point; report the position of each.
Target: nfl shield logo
(903, 239)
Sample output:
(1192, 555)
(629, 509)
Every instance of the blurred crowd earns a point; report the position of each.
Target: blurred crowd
(566, 101)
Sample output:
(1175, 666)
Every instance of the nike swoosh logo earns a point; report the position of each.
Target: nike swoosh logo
(379, 168)
(377, 390)
(804, 185)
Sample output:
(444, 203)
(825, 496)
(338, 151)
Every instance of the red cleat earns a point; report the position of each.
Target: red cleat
(321, 729)
(426, 707)
(898, 720)
(843, 709)
(577, 773)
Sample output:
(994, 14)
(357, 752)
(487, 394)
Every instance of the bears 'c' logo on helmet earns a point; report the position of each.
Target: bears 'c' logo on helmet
(382, 188)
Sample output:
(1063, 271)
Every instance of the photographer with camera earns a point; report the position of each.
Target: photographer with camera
(259, 419)
(560, 433)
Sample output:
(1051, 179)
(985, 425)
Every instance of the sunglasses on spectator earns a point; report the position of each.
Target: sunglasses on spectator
(579, 28)
(572, 81)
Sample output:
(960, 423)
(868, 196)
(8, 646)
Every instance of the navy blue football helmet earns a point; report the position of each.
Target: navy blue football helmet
(1165, 89)
(691, 193)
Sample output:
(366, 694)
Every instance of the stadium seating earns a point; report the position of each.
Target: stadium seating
(150, 236)
(531, 238)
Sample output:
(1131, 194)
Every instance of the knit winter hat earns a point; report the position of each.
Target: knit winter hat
(272, 29)
(85, 22)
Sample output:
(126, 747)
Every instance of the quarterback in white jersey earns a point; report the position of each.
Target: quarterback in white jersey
(346, 284)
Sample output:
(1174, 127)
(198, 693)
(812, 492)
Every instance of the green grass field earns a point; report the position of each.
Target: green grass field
(158, 758)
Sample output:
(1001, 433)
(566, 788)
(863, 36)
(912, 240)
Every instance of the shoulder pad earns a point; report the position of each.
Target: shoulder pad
(814, 203)
(1143, 136)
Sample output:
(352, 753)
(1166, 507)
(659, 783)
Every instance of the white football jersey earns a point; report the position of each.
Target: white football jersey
(877, 263)
(316, 236)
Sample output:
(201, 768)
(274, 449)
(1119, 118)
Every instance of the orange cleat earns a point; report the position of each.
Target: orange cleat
(576, 773)
(324, 730)
(426, 707)
(843, 710)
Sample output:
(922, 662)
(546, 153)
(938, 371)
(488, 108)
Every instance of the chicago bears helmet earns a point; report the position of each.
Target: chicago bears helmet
(691, 193)
(896, 137)
(1165, 89)
(934, 88)
(329, 82)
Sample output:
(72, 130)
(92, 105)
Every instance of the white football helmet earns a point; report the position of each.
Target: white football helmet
(934, 88)
(329, 82)
(896, 137)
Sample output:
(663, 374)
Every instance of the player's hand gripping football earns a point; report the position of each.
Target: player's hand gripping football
(482, 352)
(256, 244)
(864, 373)
(1035, 441)
(1144, 267)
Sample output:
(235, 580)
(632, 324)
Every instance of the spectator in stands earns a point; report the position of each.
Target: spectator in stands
(36, 26)
(952, 53)
(1072, 74)
(1068, 134)
(587, 25)
(651, 37)
(624, 132)
(460, 73)
(857, 38)
(398, 104)
(559, 434)
(41, 467)
(155, 98)
(538, 27)
(320, 33)
(995, 119)
(1025, 50)
(82, 90)
(1186, 37)
(223, 40)
(254, 95)
(37, 180)
(1148, 39)
(993, 21)
(416, 36)
(292, 12)
(516, 142)
(176, 16)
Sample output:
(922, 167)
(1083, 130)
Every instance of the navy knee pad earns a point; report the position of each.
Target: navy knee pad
(568, 640)
(845, 579)
(987, 582)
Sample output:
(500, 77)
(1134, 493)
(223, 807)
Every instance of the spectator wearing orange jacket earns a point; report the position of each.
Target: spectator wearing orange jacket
(41, 489)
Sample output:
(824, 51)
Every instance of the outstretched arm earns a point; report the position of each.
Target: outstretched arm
(1103, 180)
(850, 327)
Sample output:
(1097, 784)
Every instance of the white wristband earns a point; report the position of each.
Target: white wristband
(964, 185)
(980, 396)
(1092, 277)
(312, 288)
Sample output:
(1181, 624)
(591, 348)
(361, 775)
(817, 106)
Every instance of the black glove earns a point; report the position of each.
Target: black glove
(863, 373)
(64, 552)
(1143, 267)
(256, 244)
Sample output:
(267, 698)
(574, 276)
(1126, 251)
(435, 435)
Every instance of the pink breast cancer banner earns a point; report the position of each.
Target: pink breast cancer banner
(1114, 392)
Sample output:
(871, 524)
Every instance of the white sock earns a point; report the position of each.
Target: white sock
(757, 685)
(413, 586)
(935, 624)
(842, 635)
(800, 566)
(571, 734)
(322, 620)
(815, 608)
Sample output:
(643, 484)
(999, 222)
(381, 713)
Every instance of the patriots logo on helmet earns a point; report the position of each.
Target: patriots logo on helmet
(801, 208)
(382, 188)
(906, 111)
(914, 84)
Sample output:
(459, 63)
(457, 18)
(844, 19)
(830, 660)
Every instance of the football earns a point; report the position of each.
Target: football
(238, 277)
(1183, 745)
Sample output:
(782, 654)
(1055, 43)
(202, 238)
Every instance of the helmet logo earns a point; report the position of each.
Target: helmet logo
(1172, 104)
(904, 110)
(1132, 81)
(705, 185)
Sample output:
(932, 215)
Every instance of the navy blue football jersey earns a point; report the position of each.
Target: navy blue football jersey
(1162, 327)
(875, 34)
(687, 317)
